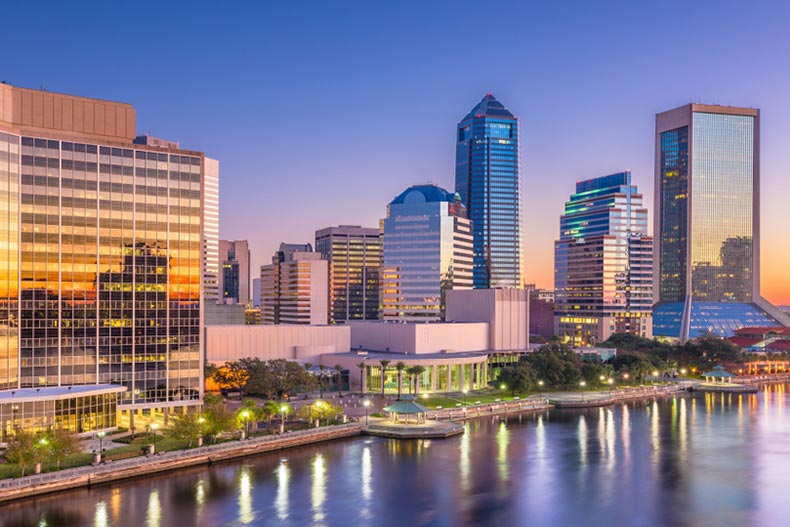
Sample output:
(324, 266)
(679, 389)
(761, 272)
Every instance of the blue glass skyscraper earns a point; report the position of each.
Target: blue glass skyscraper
(487, 179)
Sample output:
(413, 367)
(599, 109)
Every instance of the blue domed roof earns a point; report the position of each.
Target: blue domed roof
(430, 193)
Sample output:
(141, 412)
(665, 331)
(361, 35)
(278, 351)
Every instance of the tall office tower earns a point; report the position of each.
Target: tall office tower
(210, 236)
(603, 270)
(707, 223)
(487, 179)
(354, 255)
(256, 292)
(295, 287)
(234, 278)
(427, 249)
(100, 265)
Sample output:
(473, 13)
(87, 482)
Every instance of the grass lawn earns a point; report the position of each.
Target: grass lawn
(452, 400)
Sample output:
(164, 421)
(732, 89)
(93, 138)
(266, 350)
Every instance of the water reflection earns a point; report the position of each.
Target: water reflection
(318, 492)
(704, 460)
(245, 496)
(283, 484)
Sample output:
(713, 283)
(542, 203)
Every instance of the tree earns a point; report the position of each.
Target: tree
(307, 366)
(400, 366)
(384, 364)
(319, 410)
(23, 449)
(339, 373)
(231, 377)
(269, 411)
(414, 373)
(219, 419)
(321, 367)
(188, 427)
(518, 378)
(555, 364)
(361, 367)
(258, 376)
(62, 444)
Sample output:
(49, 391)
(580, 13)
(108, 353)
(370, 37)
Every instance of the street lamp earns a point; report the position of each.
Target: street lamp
(502, 388)
(366, 403)
(201, 421)
(244, 415)
(101, 435)
(683, 371)
(154, 426)
(611, 382)
(283, 409)
(583, 384)
(465, 391)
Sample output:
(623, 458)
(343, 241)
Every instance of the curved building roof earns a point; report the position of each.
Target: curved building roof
(430, 193)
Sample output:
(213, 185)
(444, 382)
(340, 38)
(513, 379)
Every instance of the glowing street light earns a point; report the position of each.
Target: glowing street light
(366, 404)
(583, 384)
(244, 416)
(283, 411)
(465, 392)
(502, 388)
(101, 435)
(154, 426)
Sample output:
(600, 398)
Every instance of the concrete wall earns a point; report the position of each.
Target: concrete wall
(415, 338)
(291, 342)
(505, 310)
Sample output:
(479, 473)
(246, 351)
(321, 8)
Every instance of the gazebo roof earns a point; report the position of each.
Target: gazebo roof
(406, 407)
(719, 372)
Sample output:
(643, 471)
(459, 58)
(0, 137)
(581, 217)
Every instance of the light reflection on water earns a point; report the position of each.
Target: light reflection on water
(716, 459)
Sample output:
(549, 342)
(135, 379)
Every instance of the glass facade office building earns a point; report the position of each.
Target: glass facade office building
(487, 179)
(603, 263)
(354, 256)
(707, 222)
(100, 253)
(427, 249)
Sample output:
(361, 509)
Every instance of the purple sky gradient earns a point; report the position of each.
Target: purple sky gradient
(321, 112)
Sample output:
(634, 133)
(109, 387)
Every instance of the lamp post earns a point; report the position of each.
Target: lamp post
(583, 384)
(283, 409)
(154, 426)
(319, 405)
(366, 404)
(201, 420)
(502, 388)
(655, 374)
(101, 435)
(244, 415)
(611, 382)
(465, 392)
(540, 383)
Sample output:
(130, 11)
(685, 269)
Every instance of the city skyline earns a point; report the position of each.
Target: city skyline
(587, 102)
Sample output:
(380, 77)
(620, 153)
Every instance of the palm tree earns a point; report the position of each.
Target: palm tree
(415, 372)
(384, 364)
(400, 366)
(307, 366)
(321, 381)
(361, 367)
(339, 370)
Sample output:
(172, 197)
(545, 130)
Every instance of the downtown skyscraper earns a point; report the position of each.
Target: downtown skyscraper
(603, 269)
(707, 223)
(427, 249)
(487, 179)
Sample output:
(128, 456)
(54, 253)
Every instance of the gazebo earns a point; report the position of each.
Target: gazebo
(406, 408)
(718, 374)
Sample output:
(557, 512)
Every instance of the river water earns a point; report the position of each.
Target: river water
(706, 460)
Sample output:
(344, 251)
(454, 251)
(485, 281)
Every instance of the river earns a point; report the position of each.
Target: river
(704, 460)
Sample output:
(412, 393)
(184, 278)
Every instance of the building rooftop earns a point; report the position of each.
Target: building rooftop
(489, 107)
(431, 194)
(57, 392)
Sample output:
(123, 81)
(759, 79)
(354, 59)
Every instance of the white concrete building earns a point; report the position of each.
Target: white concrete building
(506, 312)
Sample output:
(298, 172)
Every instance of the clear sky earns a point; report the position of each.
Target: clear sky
(321, 112)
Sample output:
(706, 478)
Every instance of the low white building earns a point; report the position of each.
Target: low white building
(291, 342)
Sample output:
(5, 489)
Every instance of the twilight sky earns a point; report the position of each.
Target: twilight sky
(321, 112)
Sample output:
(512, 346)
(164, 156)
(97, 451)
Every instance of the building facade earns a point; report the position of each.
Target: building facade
(234, 277)
(707, 211)
(354, 256)
(294, 287)
(603, 268)
(427, 250)
(101, 256)
(487, 179)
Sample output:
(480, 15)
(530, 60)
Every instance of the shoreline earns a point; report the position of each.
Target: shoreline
(14, 489)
